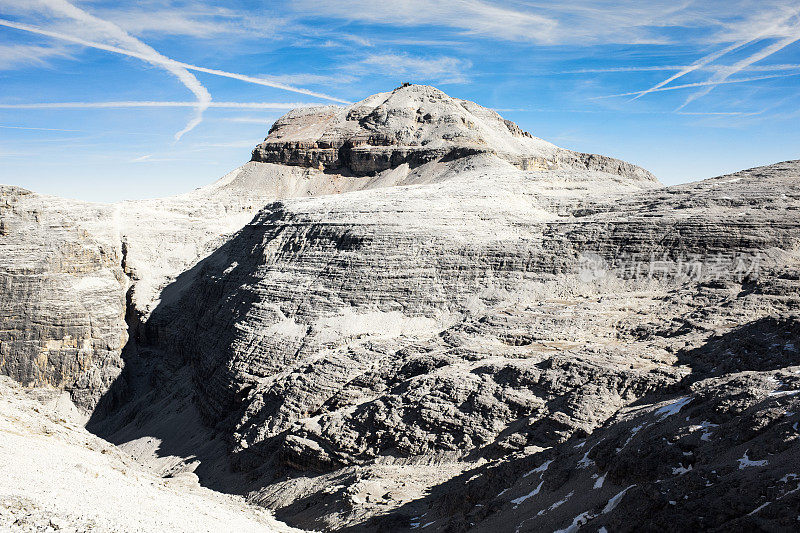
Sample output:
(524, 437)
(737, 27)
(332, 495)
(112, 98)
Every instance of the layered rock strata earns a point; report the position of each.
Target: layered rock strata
(457, 341)
(413, 125)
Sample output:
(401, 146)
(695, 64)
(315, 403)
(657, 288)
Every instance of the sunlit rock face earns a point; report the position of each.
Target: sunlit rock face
(488, 316)
(79, 278)
(410, 307)
(413, 125)
(62, 297)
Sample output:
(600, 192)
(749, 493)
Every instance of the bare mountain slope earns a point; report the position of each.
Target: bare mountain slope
(358, 349)
(72, 272)
(409, 314)
(58, 477)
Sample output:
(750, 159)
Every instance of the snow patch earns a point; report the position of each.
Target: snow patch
(745, 462)
(599, 483)
(672, 408)
(585, 462)
(704, 425)
(634, 431)
(779, 393)
(679, 471)
(613, 502)
(577, 522)
(534, 492)
(757, 509)
(557, 504)
(541, 468)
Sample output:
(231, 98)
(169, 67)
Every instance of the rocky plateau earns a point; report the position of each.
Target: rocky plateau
(409, 314)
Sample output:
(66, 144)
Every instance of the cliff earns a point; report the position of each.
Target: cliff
(409, 307)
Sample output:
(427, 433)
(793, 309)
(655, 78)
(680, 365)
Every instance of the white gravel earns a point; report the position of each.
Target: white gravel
(58, 477)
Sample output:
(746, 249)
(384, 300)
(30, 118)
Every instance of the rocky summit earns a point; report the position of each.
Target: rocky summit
(409, 314)
(413, 125)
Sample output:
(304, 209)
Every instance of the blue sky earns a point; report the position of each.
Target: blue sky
(109, 100)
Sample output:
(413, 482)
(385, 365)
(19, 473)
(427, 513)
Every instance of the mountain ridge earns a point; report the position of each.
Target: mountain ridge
(415, 124)
(452, 336)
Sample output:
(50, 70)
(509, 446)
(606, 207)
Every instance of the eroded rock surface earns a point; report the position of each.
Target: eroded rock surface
(459, 340)
(413, 125)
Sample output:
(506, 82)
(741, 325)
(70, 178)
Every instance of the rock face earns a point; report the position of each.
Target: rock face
(459, 340)
(62, 301)
(413, 125)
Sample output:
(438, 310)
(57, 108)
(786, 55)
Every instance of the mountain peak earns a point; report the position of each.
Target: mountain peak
(413, 125)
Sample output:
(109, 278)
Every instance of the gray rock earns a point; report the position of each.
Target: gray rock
(414, 125)
(425, 342)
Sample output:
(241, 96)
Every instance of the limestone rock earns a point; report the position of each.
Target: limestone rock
(410, 313)
(413, 125)
(496, 313)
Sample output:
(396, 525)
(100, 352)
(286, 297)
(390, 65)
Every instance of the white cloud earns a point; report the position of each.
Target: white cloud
(125, 104)
(659, 68)
(700, 63)
(102, 34)
(251, 120)
(20, 55)
(727, 72)
(5, 126)
(165, 61)
(752, 33)
(470, 16)
(91, 27)
(710, 83)
(192, 22)
(580, 22)
(441, 69)
(309, 79)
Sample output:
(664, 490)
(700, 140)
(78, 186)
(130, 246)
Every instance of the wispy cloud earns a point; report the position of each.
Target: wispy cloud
(470, 16)
(88, 23)
(698, 84)
(720, 113)
(579, 22)
(250, 120)
(309, 79)
(39, 129)
(124, 104)
(659, 68)
(106, 35)
(700, 63)
(775, 28)
(744, 63)
(442, 69)
(191, 19)
(167, 61)
(18, 55)
(247, 143)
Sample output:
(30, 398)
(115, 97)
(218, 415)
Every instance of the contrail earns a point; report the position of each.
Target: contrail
(167, 61)
(761, 68)
(694, 66)
(716, 55)
(698, 84)
(146, 53)
(113, 105)
(744, 63)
